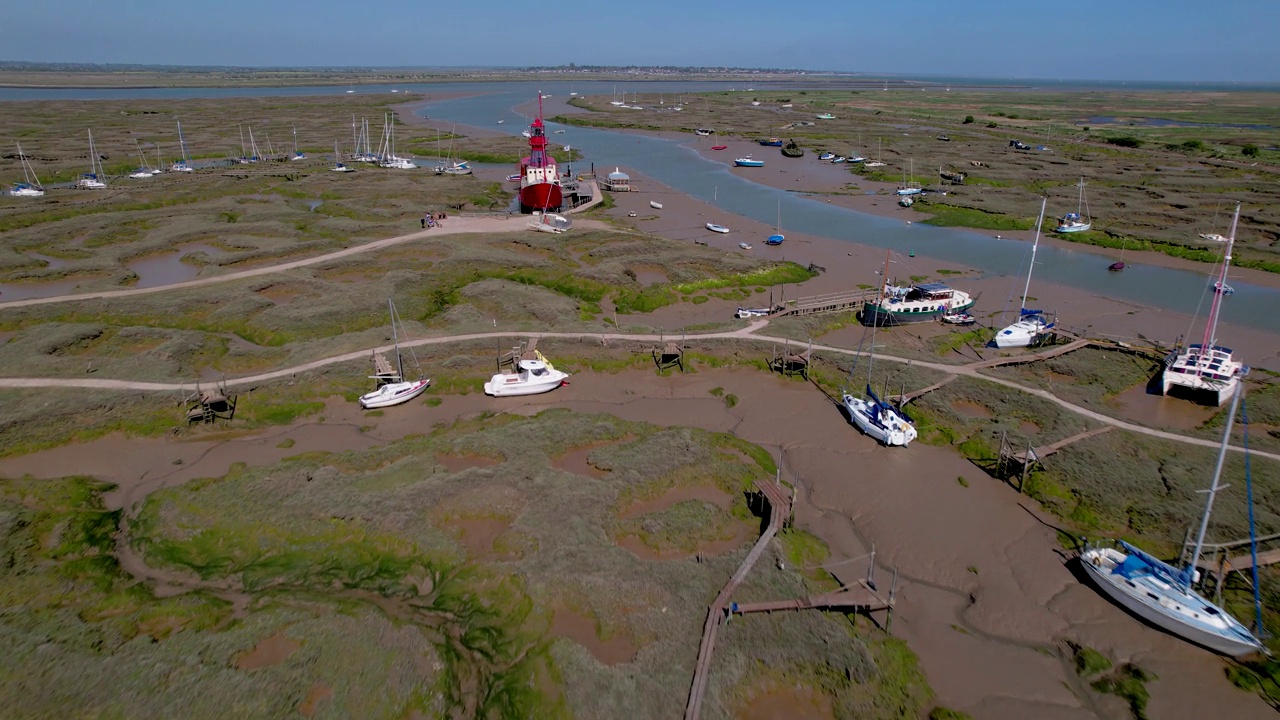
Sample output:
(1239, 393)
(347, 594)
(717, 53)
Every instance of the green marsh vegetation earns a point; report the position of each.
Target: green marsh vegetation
(361, 570)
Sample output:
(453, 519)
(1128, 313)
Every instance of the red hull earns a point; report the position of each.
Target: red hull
(540, 196)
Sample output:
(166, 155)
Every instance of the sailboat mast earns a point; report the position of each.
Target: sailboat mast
(1211, 328)
(395, 337)
(884, 277)
(1214, 488)
(1027, 288)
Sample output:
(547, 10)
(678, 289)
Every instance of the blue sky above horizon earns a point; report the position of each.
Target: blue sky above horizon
(1173, 41)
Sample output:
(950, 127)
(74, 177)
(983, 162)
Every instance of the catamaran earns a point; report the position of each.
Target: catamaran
(888, 424)
(96, 179)
(393, 389)
(30, 187)
(1078, 221)
(1031, 324)
(1162, 594)
(1206, 367)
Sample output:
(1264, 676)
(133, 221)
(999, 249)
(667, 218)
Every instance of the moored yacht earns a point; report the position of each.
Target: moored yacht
(1162, 594)
(1206, 368)
(1031, 324)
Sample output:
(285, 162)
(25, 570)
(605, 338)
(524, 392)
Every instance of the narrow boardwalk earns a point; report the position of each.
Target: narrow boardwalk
(1045, 451)
(779, 510)
(916, 394)
(856, 598)
(1052, 352)
(830, 302)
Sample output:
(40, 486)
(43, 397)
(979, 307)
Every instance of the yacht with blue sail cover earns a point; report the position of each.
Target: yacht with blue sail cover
(1162, 594)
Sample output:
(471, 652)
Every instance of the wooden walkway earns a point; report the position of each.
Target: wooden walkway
(779, 499)
(858, 598)
(1052, 352)
(830, 302)
(1044, 451)
(915, 394)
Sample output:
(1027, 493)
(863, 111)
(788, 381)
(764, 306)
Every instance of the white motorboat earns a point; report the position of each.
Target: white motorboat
(744, 245)
(532, 377)
(1162, 594)
(717, 228)
(958, 318)
(827, 156)
(1031, 324)
(744, 313)
(1207, 368)
(393, 388)
(1223, 289)
(655, 204)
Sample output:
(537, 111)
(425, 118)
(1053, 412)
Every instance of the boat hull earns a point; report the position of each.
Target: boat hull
(1021, 334)
(504, 385)
(1073, 228)
(873, 313)
(1109, 584)
(393, 394)
(540, 196)
(896, 433)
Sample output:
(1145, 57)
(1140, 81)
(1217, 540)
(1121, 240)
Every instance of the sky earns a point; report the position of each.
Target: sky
(1170, 41)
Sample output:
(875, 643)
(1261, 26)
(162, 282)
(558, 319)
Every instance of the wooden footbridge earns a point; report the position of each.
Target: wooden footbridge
(779, 499)
(1021, 462)
(856, 597)
(1218, 560)
(830, 302)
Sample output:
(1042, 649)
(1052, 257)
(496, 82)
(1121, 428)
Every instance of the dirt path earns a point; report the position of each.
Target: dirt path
(749, 332)
(452, 226)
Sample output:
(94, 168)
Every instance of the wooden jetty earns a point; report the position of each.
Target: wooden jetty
(668, 353)
(860, 597)
(1218, 561)
(1024, 460)
(779, 499)
(1048, 354)
(789, 363)
(916, 394)
(829, 302)
(208, 406)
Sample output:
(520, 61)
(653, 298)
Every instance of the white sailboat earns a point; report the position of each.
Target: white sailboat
(450, 166)
(1206, 367)
(297, 155)
(877, 162)
(1031, 324)
(888, 424)
(1078, 221)
(183, 165)
(910, 187)
(30, 186)
(338, 165)
(389, 157)
(393, 388)
(1160, 593)
(96, 179)
(143, 171)
(777, 238)
(533, 375)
